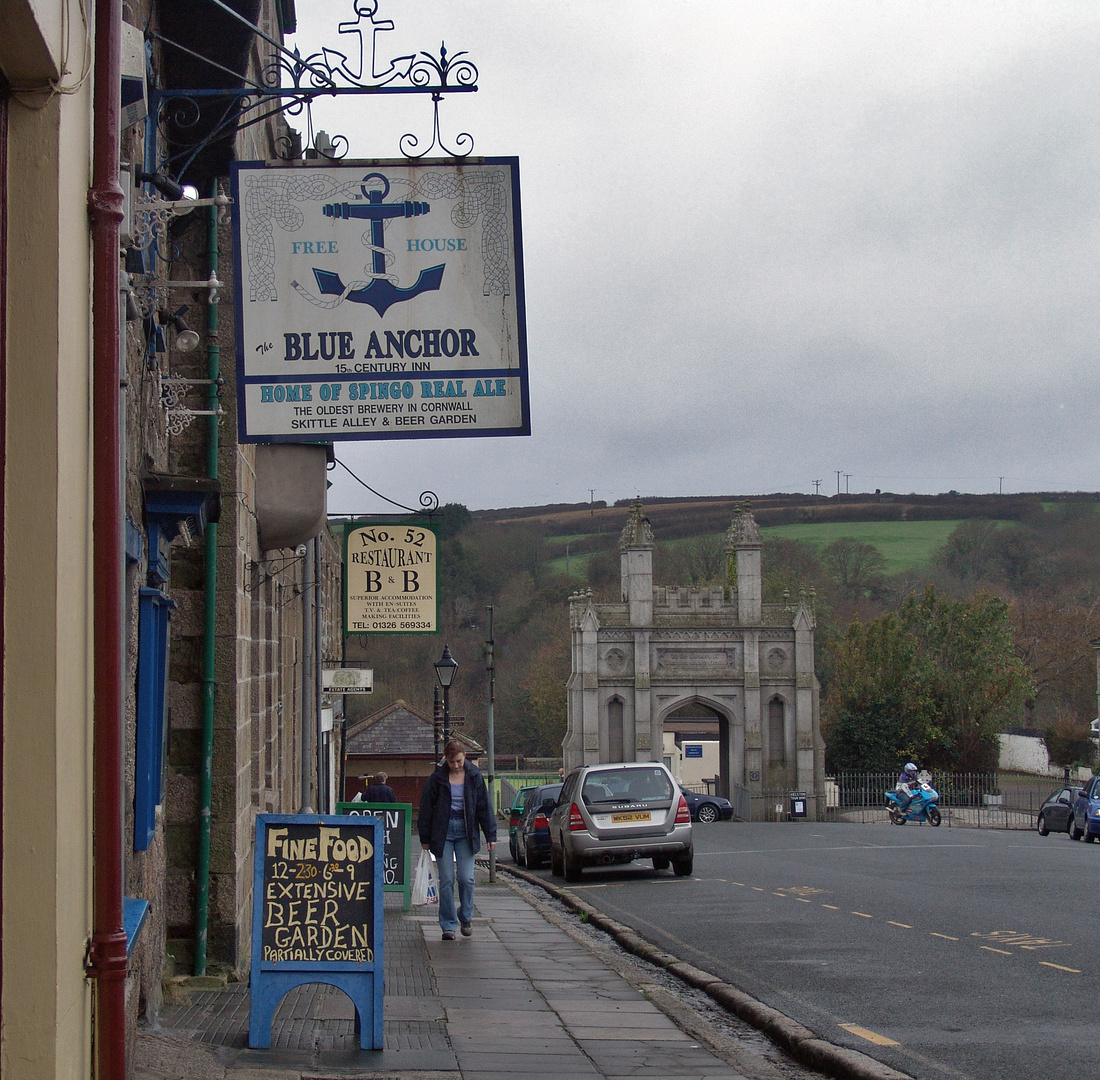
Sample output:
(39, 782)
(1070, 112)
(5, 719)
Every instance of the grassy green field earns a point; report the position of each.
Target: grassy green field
(904, 544)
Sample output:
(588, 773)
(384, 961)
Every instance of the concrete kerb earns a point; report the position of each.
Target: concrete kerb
(800, 1042)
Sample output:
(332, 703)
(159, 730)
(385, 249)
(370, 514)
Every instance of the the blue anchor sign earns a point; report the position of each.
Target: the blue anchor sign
(382, 291)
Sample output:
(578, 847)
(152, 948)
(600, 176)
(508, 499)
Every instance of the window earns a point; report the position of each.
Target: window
(152, 728)
(615, 729)
(777, 732)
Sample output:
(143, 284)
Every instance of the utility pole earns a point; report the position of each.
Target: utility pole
(591, 502)
(817, 487)
(838, 472)
(1000, 485)
(847, 477)
(490, 670)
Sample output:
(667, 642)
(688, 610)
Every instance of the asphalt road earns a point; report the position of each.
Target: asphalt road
(945, 952)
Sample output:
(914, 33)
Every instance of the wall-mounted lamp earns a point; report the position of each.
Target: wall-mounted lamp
(169, 187)
(187, 340)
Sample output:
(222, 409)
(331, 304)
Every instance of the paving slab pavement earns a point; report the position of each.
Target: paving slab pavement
(521, 997)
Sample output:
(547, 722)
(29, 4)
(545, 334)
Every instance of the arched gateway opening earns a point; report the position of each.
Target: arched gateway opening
(701, 737)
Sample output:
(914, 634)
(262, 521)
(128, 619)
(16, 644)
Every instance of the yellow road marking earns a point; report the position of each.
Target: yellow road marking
(946, 937)
(784, 895)
(740, 884)
(831, 907)
(862, 915)
(756, 888)
(869, 1035)
(801, 900)
(989, 948)
(1058, 967)
(903, 925)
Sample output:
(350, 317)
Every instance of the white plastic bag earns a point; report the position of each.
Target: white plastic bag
(424, 880)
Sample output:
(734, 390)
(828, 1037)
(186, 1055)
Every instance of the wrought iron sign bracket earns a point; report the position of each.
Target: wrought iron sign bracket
(290, 83)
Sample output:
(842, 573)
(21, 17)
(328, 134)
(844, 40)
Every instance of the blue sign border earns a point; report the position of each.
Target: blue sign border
(520, 372)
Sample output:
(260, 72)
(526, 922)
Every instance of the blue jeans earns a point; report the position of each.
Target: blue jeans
(457, 850)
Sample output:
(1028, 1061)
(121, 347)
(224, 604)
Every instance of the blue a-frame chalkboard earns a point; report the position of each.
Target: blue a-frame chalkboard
(317, 911)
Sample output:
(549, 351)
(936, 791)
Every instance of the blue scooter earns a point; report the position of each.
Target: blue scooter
(923, 807)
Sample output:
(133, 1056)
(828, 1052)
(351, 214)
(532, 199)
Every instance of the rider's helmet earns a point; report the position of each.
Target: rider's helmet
(911, 768)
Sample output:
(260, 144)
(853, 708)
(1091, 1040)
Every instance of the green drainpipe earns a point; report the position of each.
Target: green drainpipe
(213, 367)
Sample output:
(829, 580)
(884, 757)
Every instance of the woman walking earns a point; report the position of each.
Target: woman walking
(454, 803)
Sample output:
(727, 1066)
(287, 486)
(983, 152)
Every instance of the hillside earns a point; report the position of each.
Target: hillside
(862, 554)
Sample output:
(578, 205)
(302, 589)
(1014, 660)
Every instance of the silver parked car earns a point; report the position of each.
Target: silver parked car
(617, 813)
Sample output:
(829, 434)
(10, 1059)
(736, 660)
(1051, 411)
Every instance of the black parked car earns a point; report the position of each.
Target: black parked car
(519, 804)
(533, 830)
(708, 807)
(1056, 814)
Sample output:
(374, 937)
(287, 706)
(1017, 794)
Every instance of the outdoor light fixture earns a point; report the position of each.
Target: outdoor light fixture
(187, 340)
(169, 188)
(445, 668)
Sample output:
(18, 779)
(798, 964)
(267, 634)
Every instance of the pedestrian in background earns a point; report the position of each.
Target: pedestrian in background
(380, 791)
(453, 806)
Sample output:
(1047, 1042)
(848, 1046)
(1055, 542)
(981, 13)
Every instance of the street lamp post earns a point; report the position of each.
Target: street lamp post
(445, 668)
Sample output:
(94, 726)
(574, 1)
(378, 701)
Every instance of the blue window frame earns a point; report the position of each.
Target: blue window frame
(152, 728)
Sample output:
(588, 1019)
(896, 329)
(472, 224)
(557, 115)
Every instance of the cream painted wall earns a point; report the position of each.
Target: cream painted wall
(46, 1002)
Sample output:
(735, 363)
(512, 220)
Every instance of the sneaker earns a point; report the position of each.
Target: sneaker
(467, 929)
(448, 935)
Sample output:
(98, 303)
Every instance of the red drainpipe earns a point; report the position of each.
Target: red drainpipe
(107, 956)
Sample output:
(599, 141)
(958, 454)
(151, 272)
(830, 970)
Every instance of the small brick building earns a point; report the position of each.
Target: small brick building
(399, 741)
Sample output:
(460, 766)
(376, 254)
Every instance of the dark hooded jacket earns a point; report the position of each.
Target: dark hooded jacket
(435, 809)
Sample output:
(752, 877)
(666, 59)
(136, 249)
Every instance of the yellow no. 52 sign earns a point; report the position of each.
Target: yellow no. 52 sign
(390, 578)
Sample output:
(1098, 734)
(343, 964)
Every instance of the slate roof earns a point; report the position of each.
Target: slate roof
(398, 730)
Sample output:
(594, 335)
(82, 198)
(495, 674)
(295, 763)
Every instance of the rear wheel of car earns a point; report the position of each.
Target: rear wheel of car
(570, 866)
(1089, 837)
(1074, 832)
(661, 863)
(707, 813)
(682, 867)
(934, 816)
(1069, 825)
(1041, 825)
(555, 861)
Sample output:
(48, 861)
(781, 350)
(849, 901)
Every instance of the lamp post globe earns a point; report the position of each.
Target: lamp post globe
(445, 669)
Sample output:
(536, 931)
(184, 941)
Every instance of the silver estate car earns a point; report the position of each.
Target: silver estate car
(617, 813)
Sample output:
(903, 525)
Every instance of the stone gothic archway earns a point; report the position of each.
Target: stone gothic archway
(637, 662)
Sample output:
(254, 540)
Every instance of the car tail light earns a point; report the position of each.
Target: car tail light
(576, 822)
(541, 822)
(683, 814)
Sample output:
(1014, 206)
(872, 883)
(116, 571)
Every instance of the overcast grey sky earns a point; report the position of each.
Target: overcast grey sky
(766, 241)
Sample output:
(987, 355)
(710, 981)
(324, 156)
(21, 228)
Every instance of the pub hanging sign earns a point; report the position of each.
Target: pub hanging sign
(379, 300)
(390, 578)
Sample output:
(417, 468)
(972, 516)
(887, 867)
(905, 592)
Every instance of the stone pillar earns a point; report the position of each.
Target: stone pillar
(809, 776)
(754, 737)
(743, 540)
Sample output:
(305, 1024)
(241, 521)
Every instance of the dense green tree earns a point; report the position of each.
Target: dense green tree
(856, 565)
(935, 681)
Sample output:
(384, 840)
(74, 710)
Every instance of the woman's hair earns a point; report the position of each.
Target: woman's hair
(453, 749)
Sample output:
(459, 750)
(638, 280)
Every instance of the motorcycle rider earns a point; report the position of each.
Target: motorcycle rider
(905, 786)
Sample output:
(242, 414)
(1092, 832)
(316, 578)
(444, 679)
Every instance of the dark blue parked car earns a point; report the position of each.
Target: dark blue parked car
(533, 830)
(1086, 812)
(706, 808)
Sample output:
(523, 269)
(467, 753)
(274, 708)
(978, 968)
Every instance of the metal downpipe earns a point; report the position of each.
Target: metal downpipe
(107, 954)
(210, 595)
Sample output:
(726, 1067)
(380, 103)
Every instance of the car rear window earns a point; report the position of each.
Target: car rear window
(627, 785)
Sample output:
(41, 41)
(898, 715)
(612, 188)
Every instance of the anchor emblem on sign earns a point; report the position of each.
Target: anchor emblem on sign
(380, 289)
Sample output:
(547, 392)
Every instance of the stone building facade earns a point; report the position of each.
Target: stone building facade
(719, 652)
